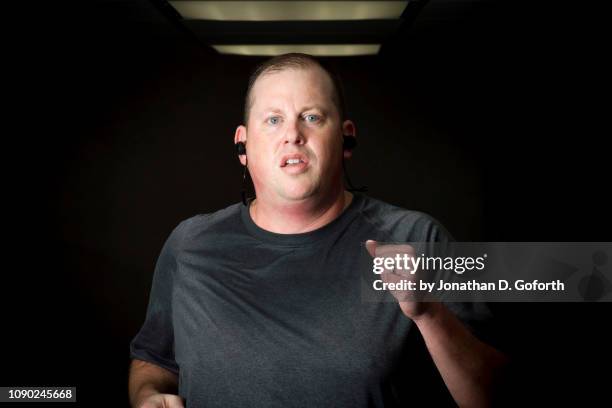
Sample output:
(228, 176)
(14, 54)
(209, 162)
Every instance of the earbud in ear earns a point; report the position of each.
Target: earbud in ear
(349, 142)
(240, 148)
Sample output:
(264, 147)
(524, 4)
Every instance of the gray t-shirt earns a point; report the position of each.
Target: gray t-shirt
(251, 318)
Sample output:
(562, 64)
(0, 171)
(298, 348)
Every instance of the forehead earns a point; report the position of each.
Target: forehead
(295, 85)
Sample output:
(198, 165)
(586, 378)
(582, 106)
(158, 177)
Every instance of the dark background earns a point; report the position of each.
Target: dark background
(487, 115)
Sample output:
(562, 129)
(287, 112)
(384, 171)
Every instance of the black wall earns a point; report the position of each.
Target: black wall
(487, 115)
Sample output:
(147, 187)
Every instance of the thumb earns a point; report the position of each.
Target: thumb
(174, 401)
(371, 247)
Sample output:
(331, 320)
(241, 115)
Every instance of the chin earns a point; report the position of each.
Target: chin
(299, 191)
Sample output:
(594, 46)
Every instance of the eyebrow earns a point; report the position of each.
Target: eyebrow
(278, 110)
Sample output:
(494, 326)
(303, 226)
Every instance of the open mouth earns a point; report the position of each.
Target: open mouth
(291, 160)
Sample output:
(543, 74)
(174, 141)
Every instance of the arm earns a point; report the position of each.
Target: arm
(151, 386)
(468, 366)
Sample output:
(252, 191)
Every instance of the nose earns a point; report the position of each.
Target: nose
(293, 135)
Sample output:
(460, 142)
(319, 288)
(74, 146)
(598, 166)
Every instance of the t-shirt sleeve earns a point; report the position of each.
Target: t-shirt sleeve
(154, 342)
(478, 317)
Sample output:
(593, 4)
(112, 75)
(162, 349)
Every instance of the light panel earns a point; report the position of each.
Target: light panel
(289, 10)
(341, 50)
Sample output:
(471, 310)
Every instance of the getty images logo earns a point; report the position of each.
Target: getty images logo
(410, 263)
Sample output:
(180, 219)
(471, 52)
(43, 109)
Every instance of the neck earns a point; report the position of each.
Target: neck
(299, 216)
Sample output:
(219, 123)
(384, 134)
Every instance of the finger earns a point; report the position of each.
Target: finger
(174, 401)
(375, 249)
(390, 277)
(390, 250)
(399, 294)
(371, 247)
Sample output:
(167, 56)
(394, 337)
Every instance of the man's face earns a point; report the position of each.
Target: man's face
(294, 135)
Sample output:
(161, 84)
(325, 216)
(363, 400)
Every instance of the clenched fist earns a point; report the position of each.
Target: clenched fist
(408, 301)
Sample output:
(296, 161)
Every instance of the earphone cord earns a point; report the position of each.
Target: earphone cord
(348, 181)
(243, 192)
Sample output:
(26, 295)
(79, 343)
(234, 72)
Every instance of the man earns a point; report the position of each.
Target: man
(260, 306)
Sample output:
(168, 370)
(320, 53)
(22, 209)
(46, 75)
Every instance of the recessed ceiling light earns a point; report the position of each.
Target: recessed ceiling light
(289, 10)
(312, 49)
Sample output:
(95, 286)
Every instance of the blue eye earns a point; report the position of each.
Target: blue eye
(274, 120)
(312, 118)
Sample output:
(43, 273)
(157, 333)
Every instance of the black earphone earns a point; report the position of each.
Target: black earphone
(349, 142)
(240, 148)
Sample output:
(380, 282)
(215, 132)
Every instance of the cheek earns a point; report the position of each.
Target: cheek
(262, 161)
(331, 155)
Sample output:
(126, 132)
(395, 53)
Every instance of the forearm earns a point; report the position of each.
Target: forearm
(468, 366)
(147, 379)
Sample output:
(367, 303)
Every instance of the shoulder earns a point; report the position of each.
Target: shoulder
(210, 221)
(195, 225)
(403, 224)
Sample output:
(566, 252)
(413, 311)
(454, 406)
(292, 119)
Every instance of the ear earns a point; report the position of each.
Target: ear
(241, 136)
(348, 128)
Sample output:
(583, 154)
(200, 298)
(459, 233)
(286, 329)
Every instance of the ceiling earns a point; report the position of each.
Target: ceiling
(323, 28)
(270, 27)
